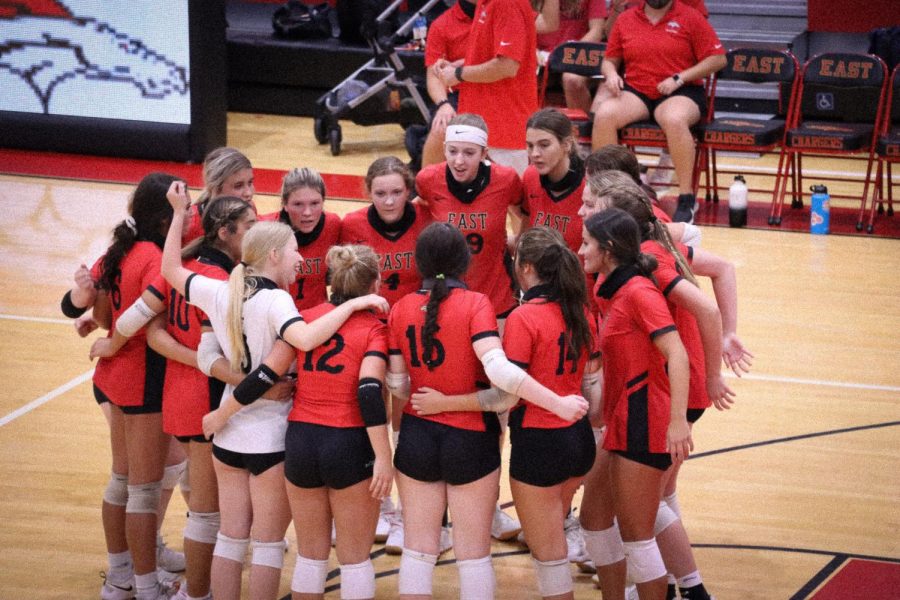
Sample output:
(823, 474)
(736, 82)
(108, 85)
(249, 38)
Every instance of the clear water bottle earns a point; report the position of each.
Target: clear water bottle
(737, 202)
(820, 210)
(420, 31)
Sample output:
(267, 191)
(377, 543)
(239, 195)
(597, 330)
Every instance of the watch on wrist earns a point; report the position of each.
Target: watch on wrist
(458, 74)
(677, 79)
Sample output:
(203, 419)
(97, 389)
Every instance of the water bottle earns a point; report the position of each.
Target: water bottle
(737, 202)
(820, 211)
(420, 30)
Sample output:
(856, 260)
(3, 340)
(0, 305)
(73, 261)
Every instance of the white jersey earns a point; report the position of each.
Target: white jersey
(260, 427)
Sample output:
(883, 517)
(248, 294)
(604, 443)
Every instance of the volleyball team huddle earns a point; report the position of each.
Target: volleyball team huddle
(583, 334)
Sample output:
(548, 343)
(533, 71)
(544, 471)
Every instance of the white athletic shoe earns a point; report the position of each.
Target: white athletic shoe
(575, 540)
(167, 578)
(384, 523)
(446, 540)
(521, 539)
(163, 591)
(168, 559)
(183, 595)
(116, 591)
(394, 542)
(503, 526)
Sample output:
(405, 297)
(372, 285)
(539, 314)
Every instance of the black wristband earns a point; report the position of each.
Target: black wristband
(371, 402)
(69, 309)
(458, 74)
(255, 385)
(441, 103)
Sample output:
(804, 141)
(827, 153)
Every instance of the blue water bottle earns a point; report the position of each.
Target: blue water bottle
(820, 211)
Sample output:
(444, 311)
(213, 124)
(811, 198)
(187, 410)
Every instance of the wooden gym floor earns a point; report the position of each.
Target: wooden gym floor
(792, 494)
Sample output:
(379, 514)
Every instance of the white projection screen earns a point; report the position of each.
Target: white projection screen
(113, 77)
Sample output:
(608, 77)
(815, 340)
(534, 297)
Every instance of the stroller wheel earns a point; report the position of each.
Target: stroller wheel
(334, 139)
(320, 129)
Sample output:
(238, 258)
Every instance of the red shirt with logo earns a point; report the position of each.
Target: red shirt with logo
(503, 28)
(447, 36)
(482, 220)
(395, 245)
(652, 53)
(328, 376)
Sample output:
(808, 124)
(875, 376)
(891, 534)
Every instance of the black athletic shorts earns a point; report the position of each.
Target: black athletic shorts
(695, 92)
(334, 457)
(257, 464)
(694, 414)
(152, 403)
(657, 460)
(184, 439)
(430, 451)
(546, 457)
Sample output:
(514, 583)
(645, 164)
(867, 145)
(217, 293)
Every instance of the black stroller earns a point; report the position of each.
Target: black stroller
(381, 91)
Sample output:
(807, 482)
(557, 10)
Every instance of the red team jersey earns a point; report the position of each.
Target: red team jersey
(534, 339)
(310, 287)
(556, 212)
(503, 28)
(652, 53)
(636, 400)
(136, 371)
(328, 376)
(667, 275)
(395, 245)
(483, 223)
(188, 394)
(464, 317)
(447, 36)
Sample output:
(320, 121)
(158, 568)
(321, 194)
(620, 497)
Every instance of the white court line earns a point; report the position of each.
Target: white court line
(46, 398)
(839, 384)
(37, 319)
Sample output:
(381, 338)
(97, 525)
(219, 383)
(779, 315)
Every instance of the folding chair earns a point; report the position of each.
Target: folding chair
(837, 113)
(887, 152)
(578, 58)
(769, 70)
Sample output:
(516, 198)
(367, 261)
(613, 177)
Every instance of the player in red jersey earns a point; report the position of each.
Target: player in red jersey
(132, 382)
(667, 50)
(444, 337)
(389, 226)
(188, 394)
(499, 77)
(475, 196)
(645, 388)
(226, 172)
(302, 207)
(698, 321)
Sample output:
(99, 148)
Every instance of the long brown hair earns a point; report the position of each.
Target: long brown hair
(618, 233)
(556, 265)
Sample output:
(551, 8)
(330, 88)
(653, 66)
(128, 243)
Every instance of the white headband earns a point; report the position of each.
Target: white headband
(466, 133)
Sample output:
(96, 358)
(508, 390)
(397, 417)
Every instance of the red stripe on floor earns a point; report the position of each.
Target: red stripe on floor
(131, 171)
(862, 580)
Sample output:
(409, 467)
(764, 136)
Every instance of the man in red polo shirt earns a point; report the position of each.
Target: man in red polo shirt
(498, 79)
(667, 49)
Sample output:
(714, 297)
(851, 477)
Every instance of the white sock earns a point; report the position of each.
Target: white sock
(146, 585)
(690, 580)
(121, 568)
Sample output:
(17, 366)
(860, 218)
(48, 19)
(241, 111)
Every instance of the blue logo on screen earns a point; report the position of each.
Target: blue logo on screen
(825, 101)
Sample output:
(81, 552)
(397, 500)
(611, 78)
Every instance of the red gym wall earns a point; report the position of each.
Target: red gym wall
(852, 15)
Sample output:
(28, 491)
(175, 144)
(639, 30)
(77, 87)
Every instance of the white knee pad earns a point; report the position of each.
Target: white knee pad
(554, 576)
(358, 581)
(416, 570)
(665, 516)
(476, 579)
(309, 576)
(143, 498)
(672, 501)
(692, 236)
(644, 561)
(202, 527)
(268, 554)
(605, 547)
(116, 492)
(172, 475)
(230, 548)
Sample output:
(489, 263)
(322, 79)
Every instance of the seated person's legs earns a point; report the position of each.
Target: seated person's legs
(577, 91)
(676, 116)
(613, 113)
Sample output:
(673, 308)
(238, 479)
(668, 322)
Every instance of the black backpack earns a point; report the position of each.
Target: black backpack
(885, 43)
(296, 20)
